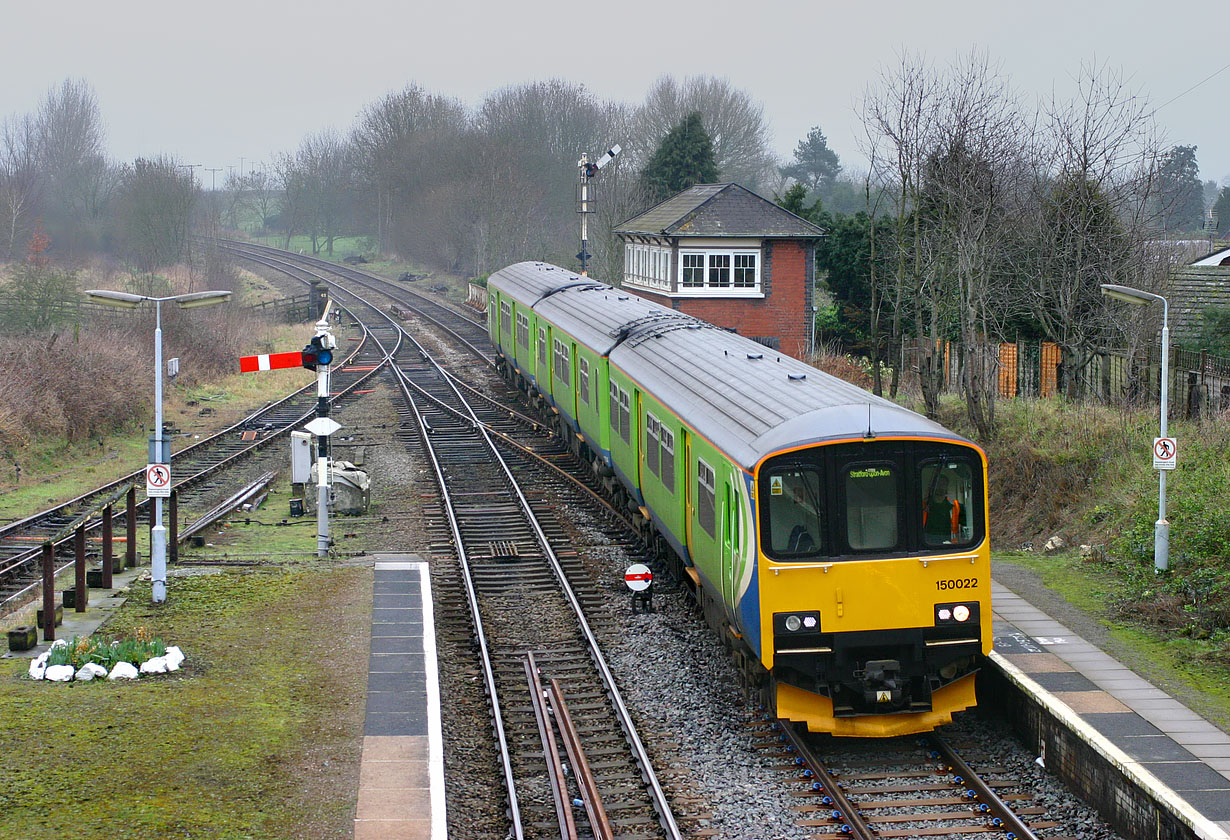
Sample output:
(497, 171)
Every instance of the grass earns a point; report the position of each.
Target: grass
(258, 736)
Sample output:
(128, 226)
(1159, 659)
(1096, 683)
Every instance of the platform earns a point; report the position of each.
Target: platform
(1181, 759)
(101, 606)
(401, 771)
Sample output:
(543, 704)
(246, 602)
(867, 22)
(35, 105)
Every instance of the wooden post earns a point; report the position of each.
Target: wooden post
(49, 593)
(106, 547)
(130, 522)
(173, 534)
(82, 591)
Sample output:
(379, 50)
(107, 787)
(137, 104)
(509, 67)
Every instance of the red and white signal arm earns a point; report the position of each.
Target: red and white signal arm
(638, 577)
(1165, 453)
(158, 481)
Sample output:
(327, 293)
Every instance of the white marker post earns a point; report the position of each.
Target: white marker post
(639, 578)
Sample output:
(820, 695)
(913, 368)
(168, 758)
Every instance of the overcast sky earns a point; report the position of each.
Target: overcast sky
(213, 82)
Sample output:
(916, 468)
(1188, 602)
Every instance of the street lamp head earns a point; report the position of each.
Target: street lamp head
(123, 300)
(1129, 295)
(199, 299)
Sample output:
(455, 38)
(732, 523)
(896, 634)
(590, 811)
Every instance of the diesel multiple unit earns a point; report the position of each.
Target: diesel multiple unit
(836, 541)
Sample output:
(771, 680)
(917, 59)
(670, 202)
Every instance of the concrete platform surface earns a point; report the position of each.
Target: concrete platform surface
(1181, 757)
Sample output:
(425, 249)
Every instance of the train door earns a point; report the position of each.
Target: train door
(637, 443)
(730, 513)
(574, 383)
(689, 489)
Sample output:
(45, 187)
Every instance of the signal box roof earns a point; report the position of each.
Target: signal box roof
(716, 210)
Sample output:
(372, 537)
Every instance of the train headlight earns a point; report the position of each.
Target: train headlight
(957, 613)
(803, 623)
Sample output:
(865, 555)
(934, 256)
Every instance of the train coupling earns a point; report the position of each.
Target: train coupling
(881, 681)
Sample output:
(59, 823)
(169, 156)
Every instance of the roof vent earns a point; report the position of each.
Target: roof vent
(622, 297)
(755, 355)
(797, 377)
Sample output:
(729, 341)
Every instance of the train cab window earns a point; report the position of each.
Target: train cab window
(871, 506)
(947, 502)
(795, 510)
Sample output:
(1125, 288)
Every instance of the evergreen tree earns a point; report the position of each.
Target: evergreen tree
(815, 164)
(683, 158)
(1221, 209)
(1181, 194)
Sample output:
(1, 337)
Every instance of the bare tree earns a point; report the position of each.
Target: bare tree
(899, 115)
(71, 157)
(19, 179)
(1091, 220)
(971, 201)
(154, 212)
(399, 141)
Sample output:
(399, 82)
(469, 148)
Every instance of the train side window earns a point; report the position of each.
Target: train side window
(583, 366)
(523, 330)
(706, 498)
(871, 506)
(505, 316)
(614, 408)
(668, 458)
(795, 513)
(652, 452)
(542, 346)
(947, 502)
(561, 361)
(625, 416)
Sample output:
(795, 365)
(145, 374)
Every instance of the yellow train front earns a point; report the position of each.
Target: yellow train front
(874, 582)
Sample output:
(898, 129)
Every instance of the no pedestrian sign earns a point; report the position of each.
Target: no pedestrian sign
(1165, 452)
(158, 481)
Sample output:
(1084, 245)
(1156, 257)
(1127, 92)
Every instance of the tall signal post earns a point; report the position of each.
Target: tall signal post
(585, 200)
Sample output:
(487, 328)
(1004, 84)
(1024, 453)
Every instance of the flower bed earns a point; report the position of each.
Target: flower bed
(86, 658)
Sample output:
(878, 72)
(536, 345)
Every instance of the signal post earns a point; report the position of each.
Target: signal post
(317, 355)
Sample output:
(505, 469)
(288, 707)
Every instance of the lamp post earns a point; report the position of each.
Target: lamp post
(160, 450)
(1161, 529)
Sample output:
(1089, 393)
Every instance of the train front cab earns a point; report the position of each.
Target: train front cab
(875, 582)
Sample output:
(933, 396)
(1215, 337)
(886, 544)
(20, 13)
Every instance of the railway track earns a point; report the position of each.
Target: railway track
(510, 559)
(541, 676)
(200, 471)
(903, 787)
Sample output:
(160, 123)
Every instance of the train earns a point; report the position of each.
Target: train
(837, 542)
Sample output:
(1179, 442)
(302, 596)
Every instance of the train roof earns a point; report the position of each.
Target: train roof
(748, 400)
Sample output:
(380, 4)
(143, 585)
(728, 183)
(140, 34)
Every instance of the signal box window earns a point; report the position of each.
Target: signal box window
(948, 502)
(871, 507)
(796, 513)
